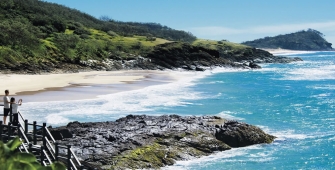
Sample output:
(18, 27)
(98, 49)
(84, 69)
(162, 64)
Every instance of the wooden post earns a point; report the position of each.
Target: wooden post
(68, 156)
(34, 132)
(1, 130)
(10, 114)
(42, 155)
(30, 147)
(9, 130)
(44, 132)
(26, 127)
(56, 151)
(18, 130)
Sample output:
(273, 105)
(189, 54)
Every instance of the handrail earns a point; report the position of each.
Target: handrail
(75, 157)
(73, 165)
(52, 152)
(48, 142)
(24, 135)
(48, 132)
(47, 157)
(18, 112)
(25, 139)
(24, 147)
(49, 150)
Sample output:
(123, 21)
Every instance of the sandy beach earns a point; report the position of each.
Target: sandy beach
(82, 85)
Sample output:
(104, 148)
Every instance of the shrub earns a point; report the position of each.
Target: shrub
(11, 158)
(81, 30)
(112, 33)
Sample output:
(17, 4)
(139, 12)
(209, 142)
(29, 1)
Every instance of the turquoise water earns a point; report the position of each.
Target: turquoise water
(295, 102)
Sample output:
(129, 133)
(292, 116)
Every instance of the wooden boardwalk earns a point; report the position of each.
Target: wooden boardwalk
(37, 139)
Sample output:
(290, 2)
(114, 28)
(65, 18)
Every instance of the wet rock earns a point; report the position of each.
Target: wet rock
(141, 141)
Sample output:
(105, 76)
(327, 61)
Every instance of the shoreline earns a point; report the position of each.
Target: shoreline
(82, 85)
(280, 51)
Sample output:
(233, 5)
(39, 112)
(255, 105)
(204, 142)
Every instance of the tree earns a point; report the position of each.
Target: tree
(18, 33)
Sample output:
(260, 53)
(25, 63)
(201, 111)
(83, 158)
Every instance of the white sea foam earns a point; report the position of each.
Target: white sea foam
(324, 72)
(116, 105)
(229, 115)
(113, 106)
(226, 70)
(285, 134)
(254, 154)
(324, 87)
(332, 139)
(295, 53)
(214, 82)
(322, 95)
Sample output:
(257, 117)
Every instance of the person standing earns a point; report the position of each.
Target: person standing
(6, 106)
(15, 111)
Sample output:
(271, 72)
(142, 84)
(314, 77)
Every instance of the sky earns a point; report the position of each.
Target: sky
(232, 20)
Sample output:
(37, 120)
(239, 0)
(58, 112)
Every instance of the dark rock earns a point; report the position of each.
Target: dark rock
(61, 133)
(254, 65)
(141, 141)
(240, 134)
(57, 135)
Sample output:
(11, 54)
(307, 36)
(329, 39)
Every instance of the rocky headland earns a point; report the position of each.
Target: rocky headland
(151, 142)
(178, 55)
(305, 40)
(175, 55)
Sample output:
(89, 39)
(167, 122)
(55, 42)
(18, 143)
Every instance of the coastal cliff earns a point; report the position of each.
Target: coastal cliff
(151, 142)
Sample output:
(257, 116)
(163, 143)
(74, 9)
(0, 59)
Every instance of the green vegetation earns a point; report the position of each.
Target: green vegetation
(38, 35)
(11, 158)
(166, 150)
(150, 156)
(301, 40)
(227, 50)
(219, 45)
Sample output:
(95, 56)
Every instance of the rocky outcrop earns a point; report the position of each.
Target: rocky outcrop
(142, 141)
(181, 55)
(254, 55)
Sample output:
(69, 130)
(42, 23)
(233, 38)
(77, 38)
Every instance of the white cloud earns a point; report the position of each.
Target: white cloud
(243, 34)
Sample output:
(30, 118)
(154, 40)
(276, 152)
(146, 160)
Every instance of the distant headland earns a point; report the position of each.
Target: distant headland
(310, 40)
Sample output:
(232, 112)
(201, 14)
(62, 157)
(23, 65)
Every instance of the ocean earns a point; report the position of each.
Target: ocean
(294, 102)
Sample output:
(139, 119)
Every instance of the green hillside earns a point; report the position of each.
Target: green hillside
(40, 35)
(301, 40)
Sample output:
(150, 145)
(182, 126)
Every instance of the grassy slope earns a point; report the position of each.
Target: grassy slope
(214, 44)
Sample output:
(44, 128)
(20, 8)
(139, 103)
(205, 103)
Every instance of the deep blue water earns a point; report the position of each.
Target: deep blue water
(295, 102)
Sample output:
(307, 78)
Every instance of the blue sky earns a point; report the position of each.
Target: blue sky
(233, 20)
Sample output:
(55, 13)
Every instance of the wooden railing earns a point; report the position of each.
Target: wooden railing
(40, 142)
